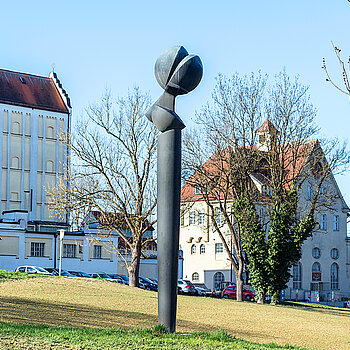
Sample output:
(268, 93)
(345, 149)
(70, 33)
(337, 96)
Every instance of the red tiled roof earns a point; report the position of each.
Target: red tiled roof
(22, 89)
(294, 157)
(267, 126)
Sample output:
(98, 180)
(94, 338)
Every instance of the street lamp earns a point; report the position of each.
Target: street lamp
(177, 73)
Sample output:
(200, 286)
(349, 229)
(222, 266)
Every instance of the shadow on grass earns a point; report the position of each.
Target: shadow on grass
(33, 312)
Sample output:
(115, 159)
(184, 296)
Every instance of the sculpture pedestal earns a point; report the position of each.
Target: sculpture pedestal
(168, 224)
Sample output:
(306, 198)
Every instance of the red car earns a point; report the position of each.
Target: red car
(230, 292)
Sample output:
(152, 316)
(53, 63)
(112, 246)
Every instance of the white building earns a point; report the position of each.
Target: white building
(37, 243)
(34, 111)
(325, 263)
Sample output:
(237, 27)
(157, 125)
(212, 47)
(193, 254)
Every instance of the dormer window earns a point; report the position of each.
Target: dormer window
(262, 138)
(196, 190)
(317, 170)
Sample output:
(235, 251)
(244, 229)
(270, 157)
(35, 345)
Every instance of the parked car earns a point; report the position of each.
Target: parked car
(101, 275)
(148, 284)
(125, 278)
(117, 278)
(79, 274)
(32, 269)
(217, 292)
(187, 287)
(230, 292)
(55, 272)
(202, 291)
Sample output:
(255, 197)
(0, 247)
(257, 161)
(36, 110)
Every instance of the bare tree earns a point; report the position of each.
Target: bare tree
(219, 158)
(112, 171)
(344, 72)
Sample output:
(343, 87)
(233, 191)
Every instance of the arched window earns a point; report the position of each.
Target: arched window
(218, 278)
(50, 132)
(316, 267)
(50, 166)
(193, 249)
(316, 253)
(195, 277)
(297, 273)
(317, 170)
(202, 249)
(16, 128)
(15, 163)
(334, 253)
(334, 276)
(316, 272)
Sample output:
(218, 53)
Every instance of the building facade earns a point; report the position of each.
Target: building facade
(34, 111)
(325, 264)
(91, 250)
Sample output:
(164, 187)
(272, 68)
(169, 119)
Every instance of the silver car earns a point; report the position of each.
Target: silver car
(32, 269)
(187, 287)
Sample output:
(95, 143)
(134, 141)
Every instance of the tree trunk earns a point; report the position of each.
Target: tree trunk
(134, 266)
(275, 298)
(239, 281)
(260, 299)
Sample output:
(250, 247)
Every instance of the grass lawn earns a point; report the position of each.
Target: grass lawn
(82, 303)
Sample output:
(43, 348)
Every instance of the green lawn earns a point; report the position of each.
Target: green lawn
(85, 313)
(43, 337)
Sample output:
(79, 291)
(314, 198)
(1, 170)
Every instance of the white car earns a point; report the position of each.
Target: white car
(32, 269)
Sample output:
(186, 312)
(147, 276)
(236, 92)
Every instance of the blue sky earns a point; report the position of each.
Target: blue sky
(114, 44)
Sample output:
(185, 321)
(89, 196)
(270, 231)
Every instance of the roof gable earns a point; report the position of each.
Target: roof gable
(31, 91)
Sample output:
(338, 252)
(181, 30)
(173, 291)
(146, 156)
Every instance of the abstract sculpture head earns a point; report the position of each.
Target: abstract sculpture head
(177, 73)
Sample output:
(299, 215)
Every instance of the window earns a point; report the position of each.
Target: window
(50, 132)
(217, 279)
(16, 128)
(193, 249)
(196, 190)
(334, 276)
(297, 276)
(195, 277)
(321, 194)
(192, 217)
(218, 216)
(202, 249)
(201, 217)
(334, 253)
(335, 222)
(323, 223)
(50, 166)
(316, 272)
(316, 253)
(219, 248)
(14, 196)
(182, 219)
(264, 190)
(15, 163)
(69, 250)
(262, 138)
(317, 170)
(97, 252)
(37, 249)
(308, 193)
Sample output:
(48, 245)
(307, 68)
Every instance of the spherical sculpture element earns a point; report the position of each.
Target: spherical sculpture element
(177, 73)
